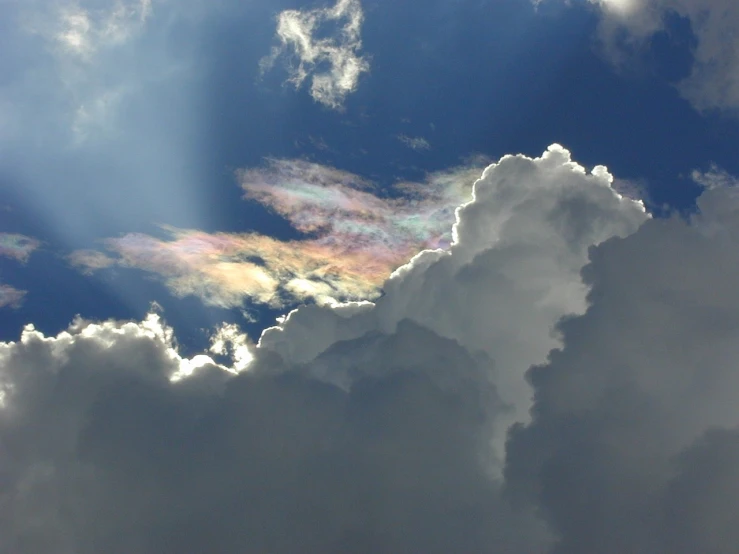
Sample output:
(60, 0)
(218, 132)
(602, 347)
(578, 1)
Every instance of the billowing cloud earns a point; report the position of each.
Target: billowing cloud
(714, 78)
(333, 63)
(17, 247)
(355, 238)
(634, 444)
(511, 274)
(10, 297)
(379, 427)
(416, 143)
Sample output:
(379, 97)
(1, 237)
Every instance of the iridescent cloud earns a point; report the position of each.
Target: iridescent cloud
(356, 236)
(10, 297)
(18, 247)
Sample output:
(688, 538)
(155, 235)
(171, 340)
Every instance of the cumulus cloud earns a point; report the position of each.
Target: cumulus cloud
(714, 78)
(333, 64)
(511, 274)
(415, 143)
(381, 426)
(354, 238)
(633, 447)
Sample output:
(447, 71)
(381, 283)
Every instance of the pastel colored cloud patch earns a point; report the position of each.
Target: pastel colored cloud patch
(10, 297)
(18, 247)
(355, 238)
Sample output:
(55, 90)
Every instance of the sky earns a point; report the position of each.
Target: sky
(369, 276)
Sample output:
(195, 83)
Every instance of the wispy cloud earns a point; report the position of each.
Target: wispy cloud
(355, 237)
(333, 63)
(416, 143)
(18, 247)
(714, 78)
(10, 297)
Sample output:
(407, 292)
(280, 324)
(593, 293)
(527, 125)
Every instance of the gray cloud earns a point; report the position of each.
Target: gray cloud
(714, 79)
(633, 446)
(332, 63)
(378, 427)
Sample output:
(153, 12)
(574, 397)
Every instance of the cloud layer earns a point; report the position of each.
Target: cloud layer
(332, 63)
(354, 238)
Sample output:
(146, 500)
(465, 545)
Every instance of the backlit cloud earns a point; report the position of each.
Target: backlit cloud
(381, 427)
(332, 63)
(355, 238)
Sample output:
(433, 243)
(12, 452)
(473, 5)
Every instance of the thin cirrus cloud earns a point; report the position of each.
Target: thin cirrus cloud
(354, 238)
(332, 64)
(415, 143)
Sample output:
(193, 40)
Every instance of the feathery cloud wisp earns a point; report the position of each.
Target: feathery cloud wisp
(298, 33)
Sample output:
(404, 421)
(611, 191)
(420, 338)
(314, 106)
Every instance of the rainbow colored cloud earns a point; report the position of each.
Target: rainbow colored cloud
(18, 247)
(356, 236)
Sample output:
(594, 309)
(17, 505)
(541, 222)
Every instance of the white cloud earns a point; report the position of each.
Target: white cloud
(333, 63)
(416, 143)
(714, 79)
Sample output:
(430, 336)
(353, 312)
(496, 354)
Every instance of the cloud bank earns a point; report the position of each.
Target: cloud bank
(384, 427)
(332, 63)
(354, 238)
(714, 79)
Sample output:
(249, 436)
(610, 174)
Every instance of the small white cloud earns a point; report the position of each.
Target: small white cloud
(715, 177)
(333, 63)
(416, 143)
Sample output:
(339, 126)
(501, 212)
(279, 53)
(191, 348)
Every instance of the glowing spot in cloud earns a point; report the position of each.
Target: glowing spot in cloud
(18, 247)
(356, 238)
(299, 33)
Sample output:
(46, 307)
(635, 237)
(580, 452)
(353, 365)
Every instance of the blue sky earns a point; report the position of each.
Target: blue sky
(187, 106)
(369, 276)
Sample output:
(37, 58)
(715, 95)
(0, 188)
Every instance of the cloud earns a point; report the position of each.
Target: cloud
(17, 247)
(634, 442)
(332, 63)
(354, 238)
(362, 427)
(713, 82)
(123, 459)
(10, 297)
(416, 143)
(511, 274)
(84, 38)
